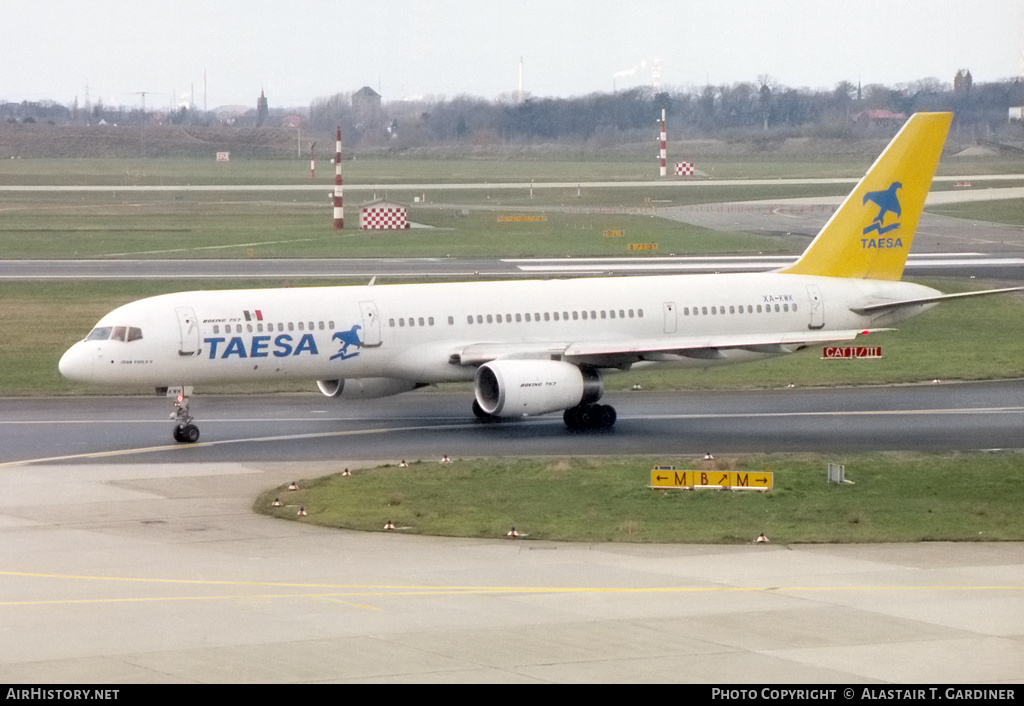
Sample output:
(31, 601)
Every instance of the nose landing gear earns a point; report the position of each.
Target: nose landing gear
(184, 430)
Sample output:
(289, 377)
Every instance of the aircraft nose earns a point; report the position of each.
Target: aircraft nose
(76, 364)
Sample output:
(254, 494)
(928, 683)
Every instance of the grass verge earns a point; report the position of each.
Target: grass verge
(896, 497)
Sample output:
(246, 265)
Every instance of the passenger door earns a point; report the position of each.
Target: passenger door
(188, 329)
(371, 325)
(817, 307)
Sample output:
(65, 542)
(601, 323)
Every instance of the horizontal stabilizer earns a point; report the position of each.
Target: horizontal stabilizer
(890, 306)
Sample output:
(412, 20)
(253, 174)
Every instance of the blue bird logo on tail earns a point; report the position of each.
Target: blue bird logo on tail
(887, 202)
(347, 338)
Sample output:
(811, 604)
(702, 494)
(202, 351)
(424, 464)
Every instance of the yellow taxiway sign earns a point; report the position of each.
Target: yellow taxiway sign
(662, 477)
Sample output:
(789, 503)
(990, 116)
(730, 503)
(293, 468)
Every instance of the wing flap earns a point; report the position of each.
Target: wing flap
(688, 344)
(662, 348)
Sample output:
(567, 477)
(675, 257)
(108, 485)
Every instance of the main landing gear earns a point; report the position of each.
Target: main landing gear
(582, 418)
(590, 416)
(184, 430)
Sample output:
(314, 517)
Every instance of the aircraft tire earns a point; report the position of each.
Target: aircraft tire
(188, 434)
(590, 416)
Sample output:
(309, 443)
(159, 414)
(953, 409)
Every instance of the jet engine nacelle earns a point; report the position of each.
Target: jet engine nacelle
(517, 388)
(365, 388)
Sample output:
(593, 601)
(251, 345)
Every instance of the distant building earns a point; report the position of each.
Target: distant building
(366, 106)
(261, 109)
(879, 118)
(962, 82)
(383, 215)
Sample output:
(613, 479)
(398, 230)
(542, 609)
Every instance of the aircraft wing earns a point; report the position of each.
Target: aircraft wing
(613, 353)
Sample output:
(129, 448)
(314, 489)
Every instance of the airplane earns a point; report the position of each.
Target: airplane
(534, 347)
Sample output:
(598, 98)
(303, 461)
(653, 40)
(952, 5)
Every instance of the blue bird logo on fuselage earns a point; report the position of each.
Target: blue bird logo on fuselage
(347, 338)
(887, 202)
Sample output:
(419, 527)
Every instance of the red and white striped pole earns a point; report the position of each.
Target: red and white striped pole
(312, 162)
(664, 151)
(339, 211)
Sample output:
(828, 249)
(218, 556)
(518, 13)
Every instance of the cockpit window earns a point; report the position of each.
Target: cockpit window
(100, 333)
(115, 333)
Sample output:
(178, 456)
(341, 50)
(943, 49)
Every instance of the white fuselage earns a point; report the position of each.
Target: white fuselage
(427, 333)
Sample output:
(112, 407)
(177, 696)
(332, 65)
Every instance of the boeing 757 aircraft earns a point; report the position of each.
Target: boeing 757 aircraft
(534, 347)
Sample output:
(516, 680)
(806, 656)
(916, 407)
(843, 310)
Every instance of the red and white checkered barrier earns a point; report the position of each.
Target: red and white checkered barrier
(376, 218)
(684, 168)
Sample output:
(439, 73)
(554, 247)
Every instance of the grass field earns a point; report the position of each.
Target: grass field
(894, 498)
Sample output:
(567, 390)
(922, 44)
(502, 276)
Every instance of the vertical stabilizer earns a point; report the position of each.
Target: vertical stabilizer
(869, 236)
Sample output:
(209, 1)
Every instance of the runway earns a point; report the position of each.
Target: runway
(149, 566)
(430, 424)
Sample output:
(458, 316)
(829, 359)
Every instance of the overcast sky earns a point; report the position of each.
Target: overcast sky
(299, 50)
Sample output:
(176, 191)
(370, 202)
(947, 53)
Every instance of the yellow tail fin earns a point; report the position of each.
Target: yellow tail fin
(870, 234)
